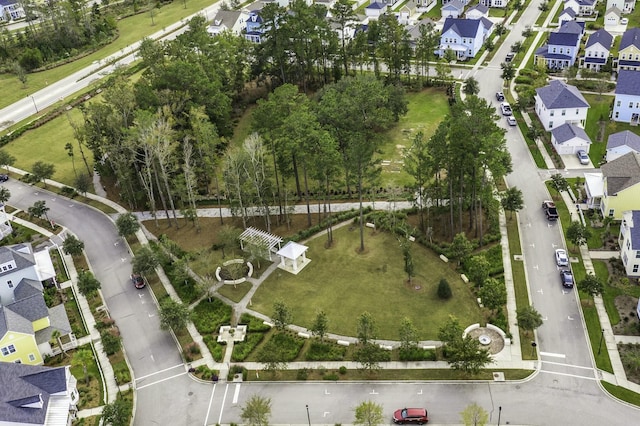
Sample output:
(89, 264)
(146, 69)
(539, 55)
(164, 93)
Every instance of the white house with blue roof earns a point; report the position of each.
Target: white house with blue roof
(476, 12)
(35, 395)
(596, 51)
(561, 49)
(559, 103)
(569, 139)
(566, 15)
(375, 9)
(629, 241)
(628, 51)
(621, 143)
(626, 105)
(452, 9)
(11, 10)
(582, 7)
(464, 36)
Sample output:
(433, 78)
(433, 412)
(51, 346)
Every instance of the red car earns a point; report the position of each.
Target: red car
(137, 280)
(410, 415)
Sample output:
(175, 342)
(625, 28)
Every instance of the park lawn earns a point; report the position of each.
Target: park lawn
(345, 284)
(131, 30)
(46, 143)
(426, 109)
(598, 111)
(236, 292)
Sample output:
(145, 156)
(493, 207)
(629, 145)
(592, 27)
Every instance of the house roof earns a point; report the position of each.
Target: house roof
(8, 2)
(414, 30)
(571, 27)
(624, 138)
(58, 320)
(628, 83)
(563, 39)
(462, 27)
(292, 250)
(567, 131)
(10, 320)
(568, 11)
(31, 307)
(594, 184)
(226, 17)
(376, 6)
(631, 37)
(21, 254)
(634, 230)
(601, 37)
(586, 2)
(622, 173)
(29, 384)
(486, 23)
(559, 94)
(479, 7)
(454, 5)
(614, 10)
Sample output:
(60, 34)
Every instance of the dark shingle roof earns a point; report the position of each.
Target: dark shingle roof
(624, 138)
(622, 173)
(29, 383)
(31, 307)
(21, 254)
(571, 27)
(601, 37)
(462, 27)
(631, 37)
(559, 94)
(628, 83)
(479, 7)
(376, 6)
(563, 39)
(569, 11)
(569, 131)
(10, 320)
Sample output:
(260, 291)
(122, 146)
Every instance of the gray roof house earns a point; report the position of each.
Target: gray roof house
(630, 242)
(228, 20)
(569, 138)
(621, 191)
(37, 395)
(622, 143)
(559, 103)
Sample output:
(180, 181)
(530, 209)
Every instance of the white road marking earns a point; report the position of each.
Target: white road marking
(236, 393)
(532, 245)
(569, 375)
(553, 355)
(373, 392)
(554, 245)
(116, 243)
(160, 381)
(206, 419)
(326, 413)
(536, 267)
(158, 372)
(224, 398)
(569, 318)
(540, 291)
(420, 393)
(544, 318)
(567, 365)
(123, 259)
(326, 392)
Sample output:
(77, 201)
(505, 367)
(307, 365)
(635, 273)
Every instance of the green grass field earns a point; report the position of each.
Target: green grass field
(345, 284)
(598, 111)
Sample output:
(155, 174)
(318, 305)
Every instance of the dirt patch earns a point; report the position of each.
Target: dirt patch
(629, 354)
(629, 324)
(496, 342)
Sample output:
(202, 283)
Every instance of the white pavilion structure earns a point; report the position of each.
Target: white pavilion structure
(293, 257)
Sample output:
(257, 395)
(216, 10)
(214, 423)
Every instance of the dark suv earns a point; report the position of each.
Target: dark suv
(137, 280)
(567, 278)
(410, 415)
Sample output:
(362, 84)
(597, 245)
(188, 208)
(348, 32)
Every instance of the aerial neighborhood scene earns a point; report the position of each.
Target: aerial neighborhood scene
(319, 212)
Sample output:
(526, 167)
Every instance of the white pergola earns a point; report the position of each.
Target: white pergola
(260, 238)
(293, 257)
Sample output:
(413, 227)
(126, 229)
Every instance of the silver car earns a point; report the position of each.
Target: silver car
(583, 156)
(561, 257)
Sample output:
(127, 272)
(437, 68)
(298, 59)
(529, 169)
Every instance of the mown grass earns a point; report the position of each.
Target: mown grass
(597, 117)
(622, 393)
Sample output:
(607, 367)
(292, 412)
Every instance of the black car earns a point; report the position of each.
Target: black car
(566, 277)
(137, 280)
(4, 178)
(500, 96)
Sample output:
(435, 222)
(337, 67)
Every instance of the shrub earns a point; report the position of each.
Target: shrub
(416, 354)
(254, 324)
(303, 374)
(444, 289)
(67, 191)
(241, 350)
(110, 341)
(237, 369)
(521, 79)
(209, 316)
(330, 376)
(342, 370)
(289, 345)
(319, 351)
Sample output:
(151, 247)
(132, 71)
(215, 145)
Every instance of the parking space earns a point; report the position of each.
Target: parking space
(571, 162)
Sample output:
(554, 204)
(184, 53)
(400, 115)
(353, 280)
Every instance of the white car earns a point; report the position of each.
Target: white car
(583, 157)
(512, 120)
(505, 108)
(561, 257)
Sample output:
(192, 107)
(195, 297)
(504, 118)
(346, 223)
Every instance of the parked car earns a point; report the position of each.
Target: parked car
(500, 96)
(505, 108)
(561, 257)
(4, 178)
(509, 57)
(512, 120)
(410, 416)
(566, 277)
(138, 280)
(550, 210)
(624, 21)
(583, 156)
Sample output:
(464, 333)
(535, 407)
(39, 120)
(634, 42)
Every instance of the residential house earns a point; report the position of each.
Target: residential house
(626, 105)
(465, 2)
(405, 13)
(36, 395)
(228, 20)
(561, 49)
(621, 143)
(452, 9)
(389, 3)
(612, 17)
(326, 3)
(414, 30)
(629, 242)
(11, 10)
(559, 103)
(596, 51)
(581, 7)
(375, 10)
(566, 15)
(569, 139)
(425, 5)
(464, 36)
(26, 323)
(253, 26)
(476, 12)
(594, 189)
(629, 51)
(621, 185)
(494, 3)
(625, 6)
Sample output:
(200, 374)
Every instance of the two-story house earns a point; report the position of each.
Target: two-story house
(625, 6)
(626, 105)
(26, 323)
(612, 17)
(464, 37)
(33, 395)
(596, 51)
(452, 9)
(228, 20)
(559, 103)
(561, 49)
(629, 242)
(621, 143)
(11, 10)
(629, 51)
(495, 3)
(476, 12)
(621, 185)
(565, 16)
(581, 7)
(254, 28)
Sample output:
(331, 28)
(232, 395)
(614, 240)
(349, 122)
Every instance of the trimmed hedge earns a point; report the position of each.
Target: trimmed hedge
(241, 350)
(327, 351)
(209, 316)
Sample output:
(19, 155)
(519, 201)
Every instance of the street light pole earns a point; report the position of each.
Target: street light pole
(34, 103)
(308, 418)
(600, 344)
(499, 412)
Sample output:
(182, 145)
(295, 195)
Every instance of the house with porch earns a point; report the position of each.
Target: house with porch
(254, 28)
(11, 10)
(452, 9)
(566, 15)
(561, 49)
(621, 185)
(569, 139)
(559, 103)
(621, 143)
(626, 105)
(233, 21)
(629, 242)
(629, 51)
(594, 190)
(465, 37)
(581, 7)
(495, 3)
(596, 51)
(26, 323)
(36, 395)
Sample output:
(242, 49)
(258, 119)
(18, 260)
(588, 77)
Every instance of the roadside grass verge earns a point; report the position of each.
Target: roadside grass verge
(622, 393)
(384, 374)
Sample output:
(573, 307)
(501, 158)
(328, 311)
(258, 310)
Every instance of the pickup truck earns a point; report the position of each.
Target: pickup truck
(550, 210)
(505, 108)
